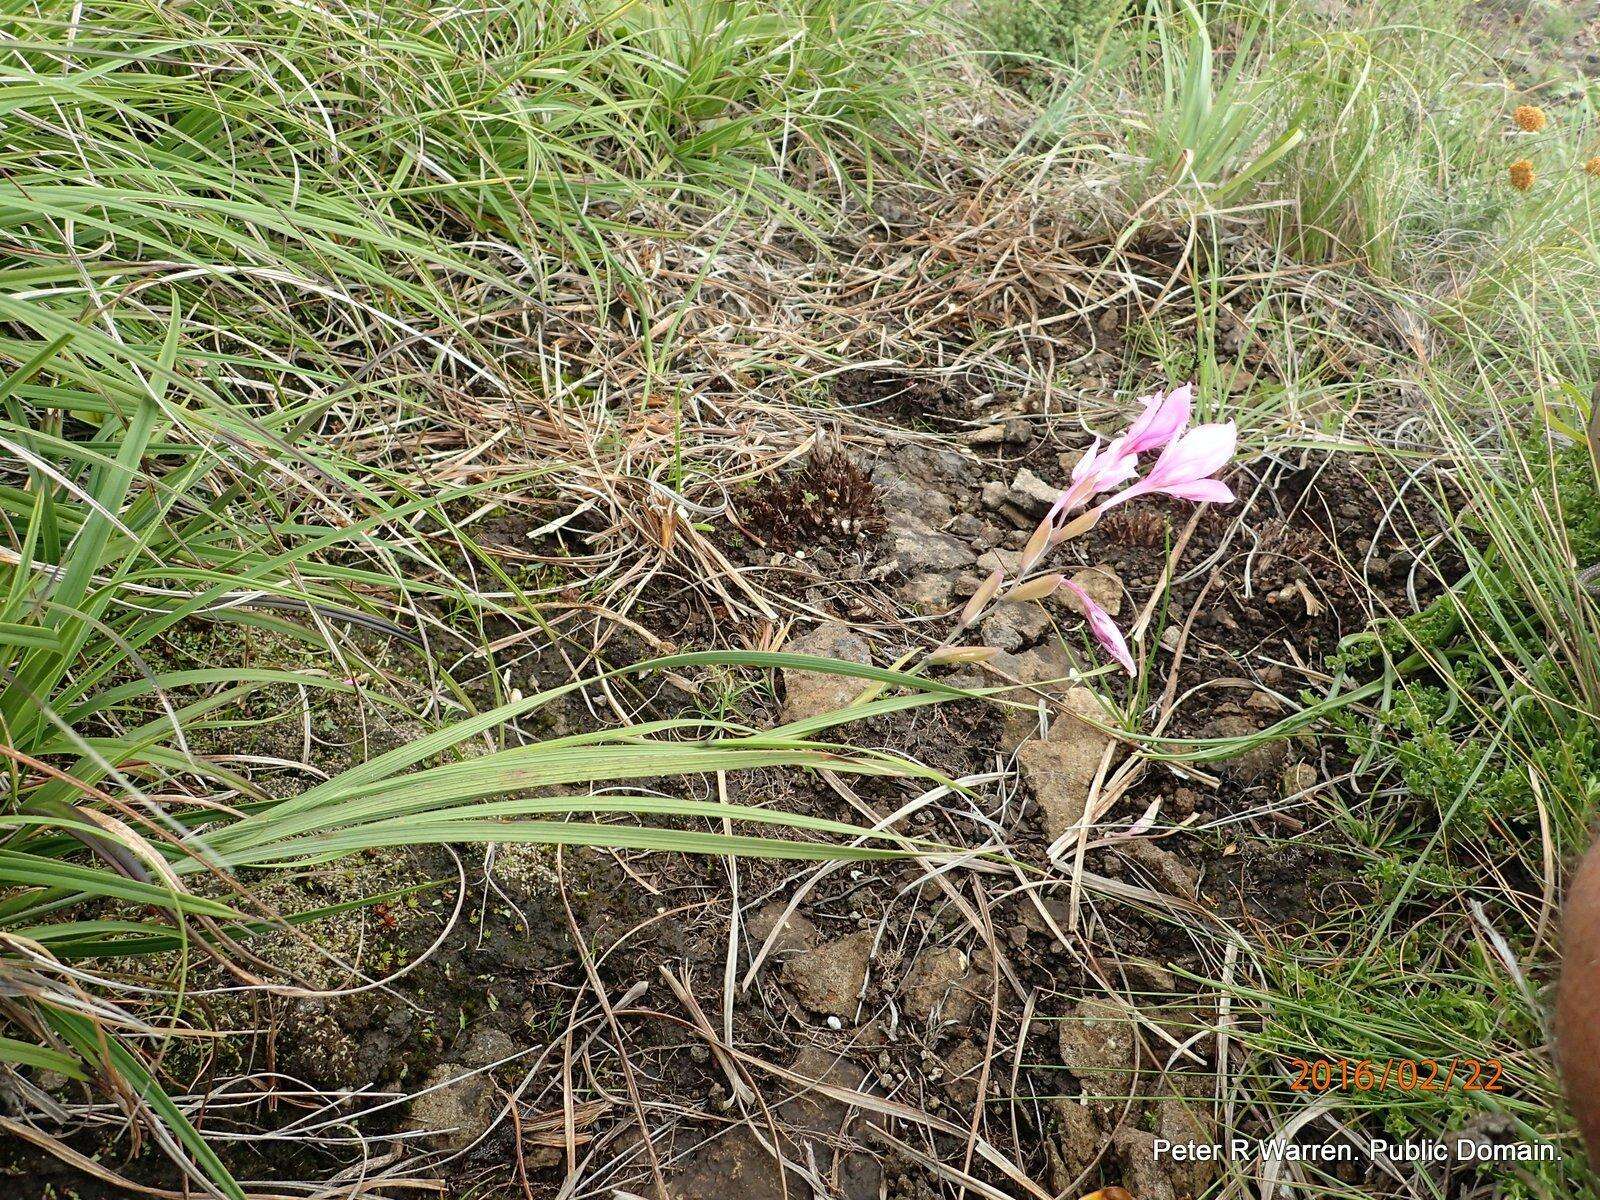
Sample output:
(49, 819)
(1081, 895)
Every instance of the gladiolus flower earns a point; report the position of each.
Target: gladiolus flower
(1163, 418)
(1185, 467)
(1103, 628)
(1097, 471)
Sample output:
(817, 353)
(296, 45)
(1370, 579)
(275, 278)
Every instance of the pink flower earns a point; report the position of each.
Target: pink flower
(1185, 467)
(1163, 418)
(1097, 471)
(1103, 627)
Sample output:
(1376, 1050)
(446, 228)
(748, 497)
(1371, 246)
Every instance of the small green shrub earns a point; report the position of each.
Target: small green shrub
(1057, 30)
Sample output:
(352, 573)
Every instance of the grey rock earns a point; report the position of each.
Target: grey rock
(917, 549)
(1011, 627)
(812, 693)
(1032, 494)
(829, 979)
(1062, 770)
(1100, 1049)
(938, 990)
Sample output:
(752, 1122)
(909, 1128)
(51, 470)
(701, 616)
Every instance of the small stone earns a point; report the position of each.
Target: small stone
(1007, 561)
(1182, 1123)
(830, 978)
(1165, 868)
(1032, 494)
(1074, 1146)
(812, 693)
(1259, 761)
(1062, 770)
(1011, 627)
(1099, 1048)
(915, 549)
(460, 1111)
(962, 1067)
(930, 593)
(1298, 778)
(938, 988)
(994, 493)
(1142, 1174)
(1103, 585)
(795, 932)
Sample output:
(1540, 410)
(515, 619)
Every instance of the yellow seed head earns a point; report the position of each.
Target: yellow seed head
(1529, 118)
(1521, 174)
(1593, 166)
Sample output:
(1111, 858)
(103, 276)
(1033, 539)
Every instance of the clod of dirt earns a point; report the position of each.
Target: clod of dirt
(1185, 1122)
(1075, 1146)
(737, 1164)
(829, 979)
(1142, 1174)
(812, 693)
(1103, 585)
(1298, 778)
(1162, 867)
(1011, 627)
(1256, 763)
(795, 932)
(460, 1110)
(938, 989)
(1099, 1048)
(1062, 770)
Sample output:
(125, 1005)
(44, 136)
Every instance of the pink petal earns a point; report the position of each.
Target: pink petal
(1103, 628)
(1097, 471)
(1087, 463)
(1162, 419)
(1201, 491)
(1203, 451)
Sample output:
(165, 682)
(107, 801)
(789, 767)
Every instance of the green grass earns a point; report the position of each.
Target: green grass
(236, 239)
(1369, 155)
(254, 254)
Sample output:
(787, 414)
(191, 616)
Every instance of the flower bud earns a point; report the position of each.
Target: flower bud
(986, 592)
(962, 654)
(1078, 526)
(1034, 589)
